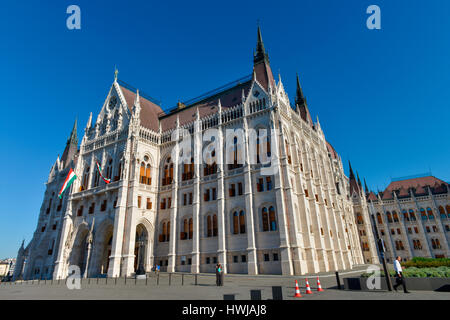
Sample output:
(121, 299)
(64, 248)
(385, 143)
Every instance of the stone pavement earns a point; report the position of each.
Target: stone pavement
(182, 287)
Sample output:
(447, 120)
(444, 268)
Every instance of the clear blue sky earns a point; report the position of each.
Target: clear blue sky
(382, 95)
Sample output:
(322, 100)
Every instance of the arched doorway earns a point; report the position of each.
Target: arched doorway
(140, 249)
(78, 254)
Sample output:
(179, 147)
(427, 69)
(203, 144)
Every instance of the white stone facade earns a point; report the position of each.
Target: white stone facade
(300, 220)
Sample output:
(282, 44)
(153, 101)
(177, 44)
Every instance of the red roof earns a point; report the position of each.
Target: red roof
(207, 106)
(149, 110)
(331, 150)
(414, 183)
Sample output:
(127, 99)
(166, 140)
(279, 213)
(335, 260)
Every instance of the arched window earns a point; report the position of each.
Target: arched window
(235, 156)
(184, 233)
(142, 173)
(235, 222)
(288, 153)
(272, 220)
(168, 231)
(163, 235)
(423, 214)
(85, 184)
(379, 219)
(191, 228)
(188, 170)
(412, 215)
(395, 215)
(168, 172)
(209, 226)
(405, 215)
(430, 213)
(109, 169)
(210, 164)
(389, 217)
(215, 228)
(148, 176)
(242, 222)
(265, 219)
(442, 212)
(359, 218)
(447, 208)
(119, 171)
(433, 243)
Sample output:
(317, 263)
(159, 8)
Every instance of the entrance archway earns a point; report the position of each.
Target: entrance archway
(140, 249)
(79, 248)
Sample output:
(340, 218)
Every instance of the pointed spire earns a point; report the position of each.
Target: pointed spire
(219, 105)
(89, 123)
(359, 180)
(365, 186)
(116, 73)
(73, 135)
(299, 97)
(261, 66)
(137, 99)
(352, 175)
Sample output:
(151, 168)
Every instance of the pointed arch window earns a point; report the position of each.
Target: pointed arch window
(215, 228)
(405, 215)
(412, 215)
(85, 184)
(379, 219)
(442, 212)
(447, 208)
(242, 222)
(430, 213)
(423, 214)
(168, 172)
(395, 215)
(235, 222)
(265, 219)
(389, 217)
(235, 155)
(272, 219)
(191, 228)
(209, 226)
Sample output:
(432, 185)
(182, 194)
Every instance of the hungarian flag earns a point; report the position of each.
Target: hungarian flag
(100, 171)
(69, 179)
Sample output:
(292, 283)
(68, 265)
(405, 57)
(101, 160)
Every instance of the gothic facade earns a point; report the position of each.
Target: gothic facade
(294, 215)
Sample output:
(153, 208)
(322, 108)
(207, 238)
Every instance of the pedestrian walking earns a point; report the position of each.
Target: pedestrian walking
(399, 278)
(157, 268)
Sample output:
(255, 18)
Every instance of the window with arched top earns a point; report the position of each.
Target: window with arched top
(430, 213)
(109, 165)
(209, 226)
(405, 215)
(238, 222)
(272, 219)
(236, 155)
(242, 222)
(379, 219)
(265, 219)
(389, 217)
(447, 208)
(168, 172)
(288, 152)
(191, 228)
(412, 215)
(164, 235)
(442, 212)
(210, 164)
(359, 218)
(188, 170)
(211, 221)
(423, 214)
(85, 184)
(395, 216)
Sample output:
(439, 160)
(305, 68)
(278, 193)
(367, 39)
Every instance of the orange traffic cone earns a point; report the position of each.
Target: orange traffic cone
(308, 288)
(319, 287)
(297, 290)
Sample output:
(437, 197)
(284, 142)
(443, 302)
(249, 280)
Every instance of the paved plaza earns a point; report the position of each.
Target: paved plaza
(183, 287)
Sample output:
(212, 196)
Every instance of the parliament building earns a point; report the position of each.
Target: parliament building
(189, 187)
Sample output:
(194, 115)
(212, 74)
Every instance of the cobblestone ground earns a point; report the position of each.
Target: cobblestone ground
(182, 287)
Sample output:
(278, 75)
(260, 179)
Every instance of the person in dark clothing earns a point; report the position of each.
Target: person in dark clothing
(219, 275)
(399, 279)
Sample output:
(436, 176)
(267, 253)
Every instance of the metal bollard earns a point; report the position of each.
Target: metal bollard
(115, 281)
(97, 279)
(146, 280)
(106, 281)
(125, 279)
(170, 279)
(135, 280)
(157, 280)
(338, 280)
(196, 279)
(182, 279)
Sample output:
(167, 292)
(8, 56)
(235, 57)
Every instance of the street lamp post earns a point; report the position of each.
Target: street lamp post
(381, 249)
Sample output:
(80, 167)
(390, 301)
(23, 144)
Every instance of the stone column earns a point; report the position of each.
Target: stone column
(198, 147)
